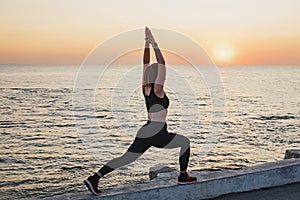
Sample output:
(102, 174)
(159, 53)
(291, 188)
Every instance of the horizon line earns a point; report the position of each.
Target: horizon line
(177, 64)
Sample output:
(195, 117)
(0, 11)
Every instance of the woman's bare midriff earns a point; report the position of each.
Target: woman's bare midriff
(158, 116)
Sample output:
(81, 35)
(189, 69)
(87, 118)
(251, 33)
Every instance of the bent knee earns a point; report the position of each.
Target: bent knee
(185, 141)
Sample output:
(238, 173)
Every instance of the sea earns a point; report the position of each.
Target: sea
(54, 133)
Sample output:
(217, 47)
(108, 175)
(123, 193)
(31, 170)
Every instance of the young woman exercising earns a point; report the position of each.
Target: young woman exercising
(154, 132)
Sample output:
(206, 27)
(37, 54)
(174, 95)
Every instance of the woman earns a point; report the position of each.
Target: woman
(154, 132)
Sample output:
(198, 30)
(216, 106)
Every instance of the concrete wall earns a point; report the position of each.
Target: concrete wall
(210, 185)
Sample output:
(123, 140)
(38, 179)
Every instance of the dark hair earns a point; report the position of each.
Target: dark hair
(150, 74)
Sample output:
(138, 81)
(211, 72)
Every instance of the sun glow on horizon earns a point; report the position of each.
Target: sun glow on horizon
(224, 53)
(232, 32)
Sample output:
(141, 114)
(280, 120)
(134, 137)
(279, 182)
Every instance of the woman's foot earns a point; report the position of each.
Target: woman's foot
(92, 184)
(185, 178)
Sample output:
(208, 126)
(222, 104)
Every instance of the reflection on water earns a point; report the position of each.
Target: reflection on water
(42, 154)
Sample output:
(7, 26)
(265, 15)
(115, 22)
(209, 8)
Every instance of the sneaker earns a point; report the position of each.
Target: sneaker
(185, 178)
(92, 184)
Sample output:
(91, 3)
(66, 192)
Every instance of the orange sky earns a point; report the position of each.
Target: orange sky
(233, 32)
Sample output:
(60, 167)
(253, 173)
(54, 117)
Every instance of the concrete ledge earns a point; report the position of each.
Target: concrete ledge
(292, 153)
(285, 192)
(211, 185)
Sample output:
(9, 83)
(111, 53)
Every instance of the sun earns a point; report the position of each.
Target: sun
(223, 53)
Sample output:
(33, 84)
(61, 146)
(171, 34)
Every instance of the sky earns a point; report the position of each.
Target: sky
(233, 32)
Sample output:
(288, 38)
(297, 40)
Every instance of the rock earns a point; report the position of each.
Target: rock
(161, 171)
(292, 153)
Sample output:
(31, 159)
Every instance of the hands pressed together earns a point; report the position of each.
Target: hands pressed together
(149, 37)
(150, 40)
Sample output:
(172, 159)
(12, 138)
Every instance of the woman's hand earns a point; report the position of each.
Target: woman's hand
(147, 34)
(149, 37)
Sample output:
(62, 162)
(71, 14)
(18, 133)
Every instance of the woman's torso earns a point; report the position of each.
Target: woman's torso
(157, 107)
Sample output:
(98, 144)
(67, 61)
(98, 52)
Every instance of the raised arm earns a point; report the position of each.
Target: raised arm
(159, 57)
(161, 73)
(146, 57)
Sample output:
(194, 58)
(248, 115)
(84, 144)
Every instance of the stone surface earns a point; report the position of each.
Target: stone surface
(292, 153)
(163, 171)
(210, 185)
(287, 192)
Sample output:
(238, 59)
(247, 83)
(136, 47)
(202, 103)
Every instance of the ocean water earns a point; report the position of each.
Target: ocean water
(51, 143)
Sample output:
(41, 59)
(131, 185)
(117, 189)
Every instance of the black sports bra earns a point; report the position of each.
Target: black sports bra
(155, 103)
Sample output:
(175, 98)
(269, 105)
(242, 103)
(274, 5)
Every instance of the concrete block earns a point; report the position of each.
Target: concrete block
(164, 171)
(292, 153)
(210, 185)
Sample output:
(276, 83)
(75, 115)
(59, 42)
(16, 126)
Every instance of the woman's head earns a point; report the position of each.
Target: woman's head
(150, 74)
